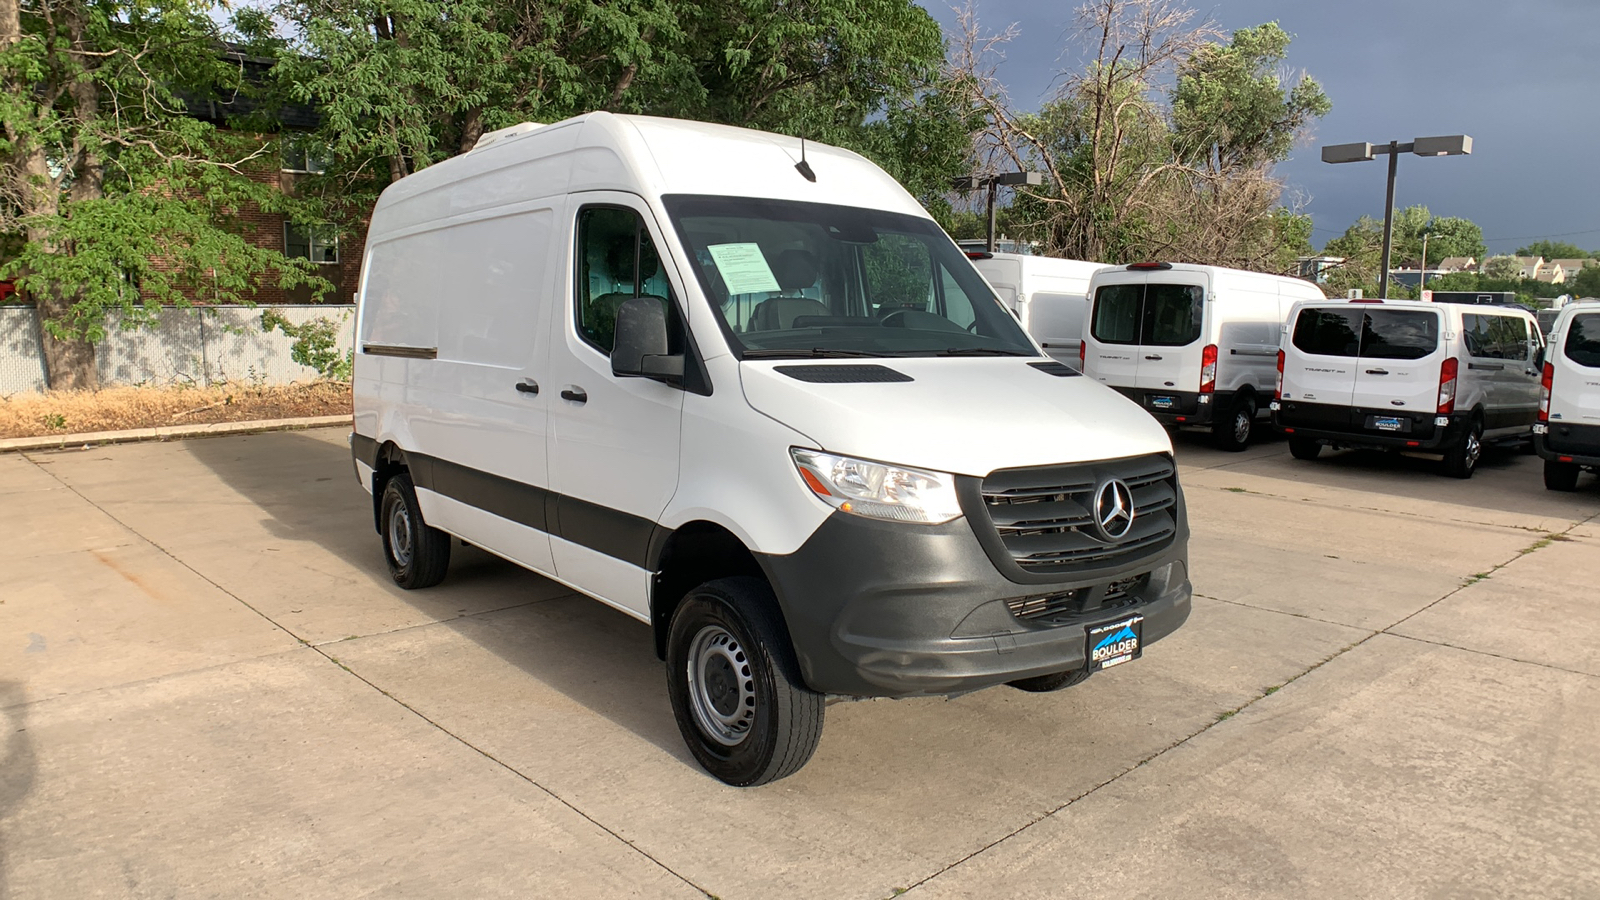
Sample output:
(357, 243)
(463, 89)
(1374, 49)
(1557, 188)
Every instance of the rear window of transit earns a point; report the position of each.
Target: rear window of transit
(1173, 314)
(1399, 334)
(1116, 313)
(1327, 332)
(1583, 340)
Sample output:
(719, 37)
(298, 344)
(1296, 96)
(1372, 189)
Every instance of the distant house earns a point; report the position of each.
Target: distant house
(1452, 264)
(1571, 267)
(1316, 268)
(1529, 266)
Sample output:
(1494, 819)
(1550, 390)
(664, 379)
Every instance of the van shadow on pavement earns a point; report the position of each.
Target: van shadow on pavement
(17, 764)
(598, 657)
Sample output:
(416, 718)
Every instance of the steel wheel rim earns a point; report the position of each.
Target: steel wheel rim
(400, 535)
(721, 686)
(1474, 448)
(1241, 426)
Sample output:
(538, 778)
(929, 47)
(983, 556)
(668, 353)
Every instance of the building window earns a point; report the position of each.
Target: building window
(302, 154)
(318, 243)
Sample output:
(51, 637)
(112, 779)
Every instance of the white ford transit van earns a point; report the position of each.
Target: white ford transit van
(748, 392)
(1193, 345)
(1567, 434)
(1049, 296)
(1407, 375)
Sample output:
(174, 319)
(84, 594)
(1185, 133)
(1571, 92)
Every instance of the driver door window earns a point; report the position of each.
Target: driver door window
(617, 262)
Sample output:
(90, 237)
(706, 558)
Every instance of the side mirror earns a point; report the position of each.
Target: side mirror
(640, 348)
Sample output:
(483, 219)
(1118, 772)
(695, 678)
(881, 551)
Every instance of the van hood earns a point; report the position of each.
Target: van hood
(964, 416)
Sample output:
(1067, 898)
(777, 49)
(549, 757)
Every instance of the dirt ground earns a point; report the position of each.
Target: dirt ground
(117, 408)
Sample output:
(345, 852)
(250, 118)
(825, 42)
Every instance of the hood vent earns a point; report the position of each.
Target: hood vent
(1058, 369)
(843, 374)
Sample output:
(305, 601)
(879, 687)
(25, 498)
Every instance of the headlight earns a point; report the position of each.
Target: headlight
(878, 491)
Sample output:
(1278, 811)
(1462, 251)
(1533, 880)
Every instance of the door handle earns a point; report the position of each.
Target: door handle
(1153, 358)
(528, 386)
(1377, 371)
(575, 394)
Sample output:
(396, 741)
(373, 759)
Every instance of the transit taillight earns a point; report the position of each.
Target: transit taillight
(1208, 369)
(1545, 383)
(1277, 393)
(1083, 356)
(1447, 386)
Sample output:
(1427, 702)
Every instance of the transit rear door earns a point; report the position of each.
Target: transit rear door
(1401, 351)
(1321, 355)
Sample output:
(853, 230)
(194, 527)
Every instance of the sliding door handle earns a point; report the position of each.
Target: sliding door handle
(528, 386)
(575, 394)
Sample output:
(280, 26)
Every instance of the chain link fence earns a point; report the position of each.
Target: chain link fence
(200, 346)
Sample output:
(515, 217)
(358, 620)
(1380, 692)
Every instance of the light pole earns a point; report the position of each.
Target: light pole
(1447, 145)
(973, 182)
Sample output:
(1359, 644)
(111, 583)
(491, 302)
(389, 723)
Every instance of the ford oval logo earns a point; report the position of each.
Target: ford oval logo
(1113, 509)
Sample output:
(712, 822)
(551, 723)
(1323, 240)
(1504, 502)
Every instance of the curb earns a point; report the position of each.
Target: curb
(167, 432)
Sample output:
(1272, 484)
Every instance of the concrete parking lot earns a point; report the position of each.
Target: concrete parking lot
(1390, 687)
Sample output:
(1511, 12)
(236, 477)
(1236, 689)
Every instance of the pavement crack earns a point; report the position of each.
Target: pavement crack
(1481, 652)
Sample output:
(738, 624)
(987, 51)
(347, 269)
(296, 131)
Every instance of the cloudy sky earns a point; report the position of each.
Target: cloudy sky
(1519, 76)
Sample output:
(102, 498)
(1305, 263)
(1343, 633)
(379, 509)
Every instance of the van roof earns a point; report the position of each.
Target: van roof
(642, 155)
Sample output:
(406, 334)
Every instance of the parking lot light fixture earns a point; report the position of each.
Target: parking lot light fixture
(1445, 145)
(974, 182)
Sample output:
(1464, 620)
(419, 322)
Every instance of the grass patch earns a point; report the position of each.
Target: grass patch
(1237, 490)
(118, 408)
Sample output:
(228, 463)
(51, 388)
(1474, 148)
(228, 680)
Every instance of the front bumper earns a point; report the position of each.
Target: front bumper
(1563, 442)
(1346, 426)
(889, 610)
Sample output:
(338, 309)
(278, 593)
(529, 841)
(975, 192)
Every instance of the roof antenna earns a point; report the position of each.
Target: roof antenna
(803, 167)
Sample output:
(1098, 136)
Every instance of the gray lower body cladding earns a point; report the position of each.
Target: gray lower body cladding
(889, 609)
(1579, 444)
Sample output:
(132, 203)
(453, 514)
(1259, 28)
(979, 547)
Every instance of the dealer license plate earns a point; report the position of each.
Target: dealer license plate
(1387, 423)
(1161, 402)
(1115, 643)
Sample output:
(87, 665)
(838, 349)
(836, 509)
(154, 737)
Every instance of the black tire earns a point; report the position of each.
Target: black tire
(417, 553)
(735, 684)
(1560, 476)
(1233, 432)
(1304, 448)
(1461, 458)
(1055, 681)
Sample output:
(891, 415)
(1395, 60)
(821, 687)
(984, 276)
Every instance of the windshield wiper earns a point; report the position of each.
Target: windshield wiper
(813, 353)
(982, 351)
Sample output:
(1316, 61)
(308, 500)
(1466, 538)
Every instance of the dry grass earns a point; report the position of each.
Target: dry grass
(117, 408)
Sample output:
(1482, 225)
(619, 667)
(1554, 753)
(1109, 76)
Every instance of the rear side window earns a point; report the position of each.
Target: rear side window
(1160, 315)
(1583, 341)
(1399, 334)
(1328, 332)
(1494, 336)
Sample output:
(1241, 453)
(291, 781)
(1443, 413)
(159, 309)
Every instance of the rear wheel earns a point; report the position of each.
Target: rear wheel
(417, 553)
(735, 685)
(1560, 476)
(1233, 432)
(1461, 459)
(1304, 448)
(1055, 681)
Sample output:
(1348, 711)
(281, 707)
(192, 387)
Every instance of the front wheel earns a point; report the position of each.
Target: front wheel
(1233, 433)
(1560, 476)
(735, 685)
(1055, 681)
(1461, 459)
(417, 553)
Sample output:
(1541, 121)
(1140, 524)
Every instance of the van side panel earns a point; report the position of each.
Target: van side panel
(1246, 316)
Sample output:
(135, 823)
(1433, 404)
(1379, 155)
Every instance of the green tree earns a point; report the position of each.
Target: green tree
(123, 200)
(1557, 250)
(1450, 236)
(1503, 267)
(1587, 283)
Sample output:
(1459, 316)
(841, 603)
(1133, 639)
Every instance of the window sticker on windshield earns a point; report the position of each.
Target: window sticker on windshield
(743, 267)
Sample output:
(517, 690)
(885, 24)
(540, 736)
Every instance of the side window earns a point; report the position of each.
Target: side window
(957, 305)
(1582, 345)
(1513, 337)
(1475, 335)
(898, 273)
(617, 261)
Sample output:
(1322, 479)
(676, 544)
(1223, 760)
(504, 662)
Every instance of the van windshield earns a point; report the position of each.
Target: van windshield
(1583, 341)
(1383, 333)
(1159, 315)
(811, 279)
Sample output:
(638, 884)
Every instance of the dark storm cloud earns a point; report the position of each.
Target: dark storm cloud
(1520, 76)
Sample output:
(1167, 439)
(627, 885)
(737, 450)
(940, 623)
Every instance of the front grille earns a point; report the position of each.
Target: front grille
(1063, 607)
(1045, 515)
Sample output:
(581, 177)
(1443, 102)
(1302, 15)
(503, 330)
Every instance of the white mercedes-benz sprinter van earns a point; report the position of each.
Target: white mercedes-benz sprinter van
(749, 393)
(1193, 345)
(1407, 375)
(1567, 434)
(1049, 296)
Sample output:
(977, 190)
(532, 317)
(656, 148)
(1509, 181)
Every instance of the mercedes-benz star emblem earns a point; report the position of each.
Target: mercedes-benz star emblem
(1113, 509)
